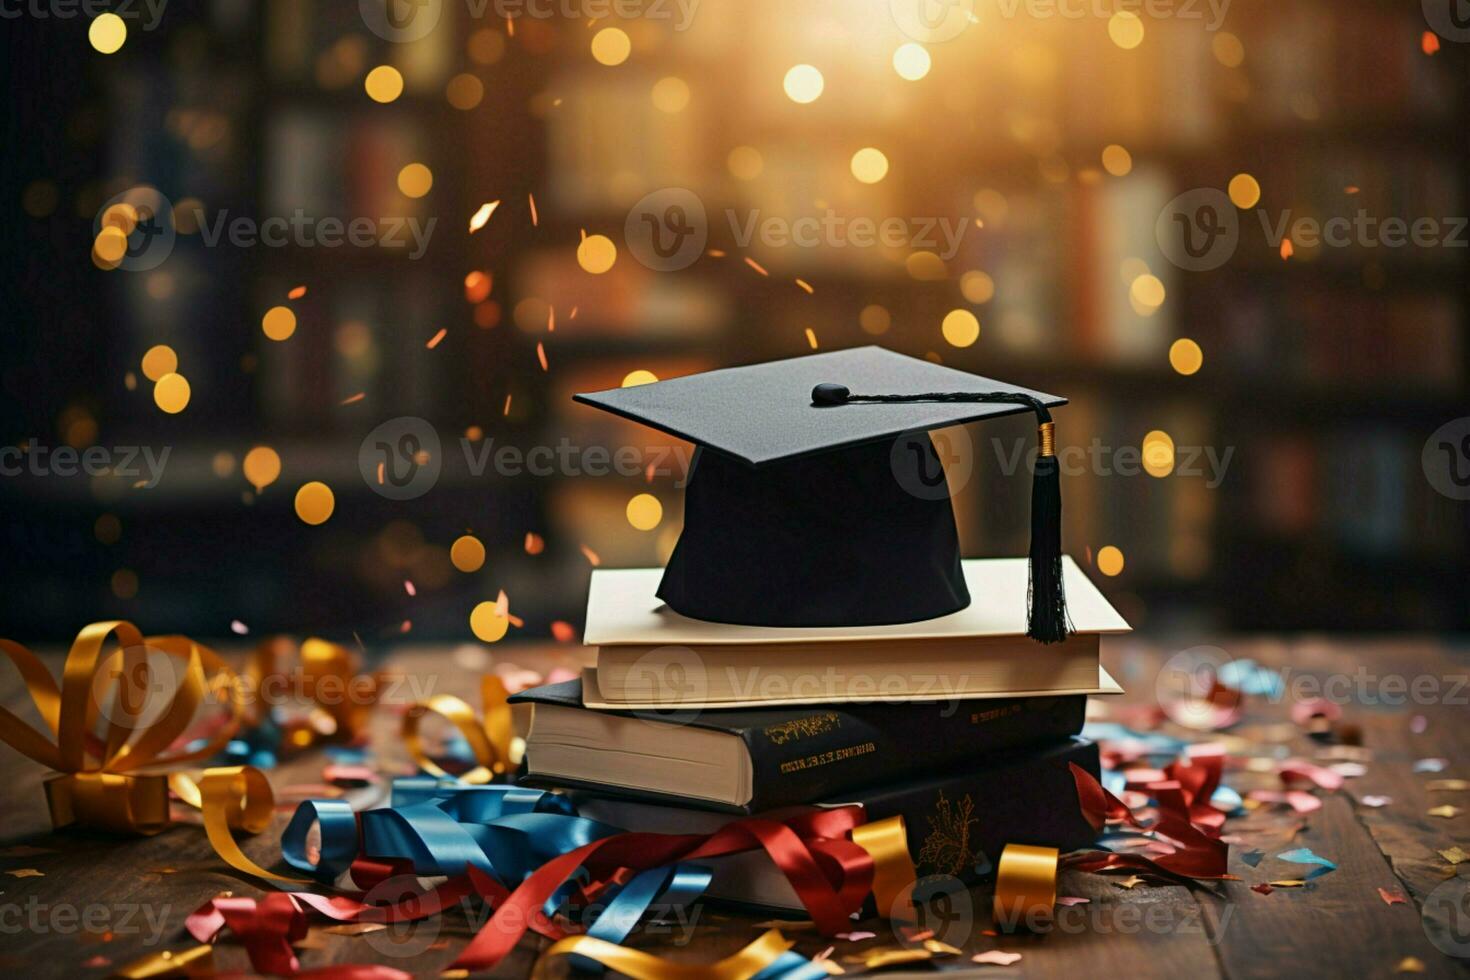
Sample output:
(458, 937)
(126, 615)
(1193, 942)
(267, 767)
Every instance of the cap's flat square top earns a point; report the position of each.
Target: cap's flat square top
(764, 412)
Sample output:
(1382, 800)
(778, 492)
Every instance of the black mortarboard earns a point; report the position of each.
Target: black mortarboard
(809, 505)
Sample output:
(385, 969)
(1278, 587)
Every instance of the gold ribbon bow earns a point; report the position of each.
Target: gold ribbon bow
(101, 785)
(491, 739)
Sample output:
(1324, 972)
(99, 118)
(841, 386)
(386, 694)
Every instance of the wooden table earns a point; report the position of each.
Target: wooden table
(101, 901)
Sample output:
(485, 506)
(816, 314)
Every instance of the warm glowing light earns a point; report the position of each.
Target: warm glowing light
(279, 323)
(111, 245)
(1245, 191)
(262, 467)
(108, 529)
(467, 553)
(670, 94)
(803, 84)
(960, 328)
(1158, 453)
(911, 61)
(1147, 291)
(1116, 160)
(477, 287)
(1126, 29)
(1109, 560)
(464, 92)
(383, 84)
(745, 163)
(610, 46)
(1228, 49)
(415, 180)
(159, 361)
(925, 266)
(315, 502)
(107, 33)
(125, 583)
(1185, 356)
(486, 46)
(875, 319)
(645, 512)
(171, 393)
(487, 624)
(869, 165)
(977, 287)
(482, 215)
(596, 254)
(639, 377)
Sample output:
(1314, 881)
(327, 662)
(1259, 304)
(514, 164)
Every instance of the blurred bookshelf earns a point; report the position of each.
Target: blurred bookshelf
(1322, 373)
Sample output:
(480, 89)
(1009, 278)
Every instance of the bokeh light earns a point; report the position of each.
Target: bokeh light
(1245, 191)
(911, 61)
(645, 512)
(670, 94)
(1126, 29)
(262, 467)
(803, 84)
(315, 502)
(961, 328)
(467, 553)
(159, 360)
(415, 180)
(108, 33)
(1110, 560)
(611, 46)
(639, 377)
(383, 84)
(869, 165)
(596, 254)
(279, 323)
(171, 393)
(487, 624)
(1185, 356)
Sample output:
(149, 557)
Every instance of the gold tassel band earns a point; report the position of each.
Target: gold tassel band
(1047, 434)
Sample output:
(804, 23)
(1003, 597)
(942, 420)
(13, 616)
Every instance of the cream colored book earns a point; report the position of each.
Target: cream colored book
(651, 657)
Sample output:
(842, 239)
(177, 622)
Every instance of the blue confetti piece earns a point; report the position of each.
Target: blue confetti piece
(1304, 855)
(1253, 858)
(1227, 800)
(1249, 677)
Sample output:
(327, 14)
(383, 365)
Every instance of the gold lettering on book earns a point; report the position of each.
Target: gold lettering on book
(1005, 711)
(790, 731)
(946, 850)
(825, 758)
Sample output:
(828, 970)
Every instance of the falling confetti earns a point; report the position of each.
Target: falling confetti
(534, 544)
(434, 340)
(1304, 855)
(1431, 765)
(811, 338)
(409, 588)
(995, 957)
(1393, 897)
(1287, 249)
(238, 628)
(591, 556)
(541, 355)
(562, 631)
(24, 873)
(805, 286)
(1377, 801)
(534, 220)
(1447, 812)
(296, 293)
(483, 215)
(1429, 42)
(756, 266)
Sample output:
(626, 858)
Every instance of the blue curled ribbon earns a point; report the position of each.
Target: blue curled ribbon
(338, 838)
(443, 827)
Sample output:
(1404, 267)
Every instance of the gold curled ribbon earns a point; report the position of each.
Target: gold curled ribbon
(197, 961)
(100, 786)
(887, 842)
(341, 699)
(1025, 886)
(490, 738)
(232, 798)
(639, 965)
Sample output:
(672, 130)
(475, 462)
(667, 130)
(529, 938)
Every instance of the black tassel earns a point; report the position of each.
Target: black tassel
(1046, 611)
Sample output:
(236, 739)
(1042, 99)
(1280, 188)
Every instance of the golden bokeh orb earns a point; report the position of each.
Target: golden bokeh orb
(262, 467)
(315, 502)
(159, 360)
(1245, 191)
(487, 624)
(107, 33)
(645, 512)
(1185, 356)
(912, 61)
(596, 254)
(467, 553)
(383, 84)
(961, 328)
(1109, 560)
(869, 165)
(279, 323)
(638, 377)
(171, 393)
(415, 180)
(1126, 29)
(611, 46)
(803, 84)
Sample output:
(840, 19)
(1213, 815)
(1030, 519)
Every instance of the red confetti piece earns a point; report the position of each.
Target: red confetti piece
(756, 266)
(408, 587)
(1394, 897)
(562, 632)
(1287, 250)
(541, 355)
(534, 544)
(506, 410)
(1263, 888)
(1429, 43)
(715, 253)
(296, 293)
(551, 319)
(532, 199)
(353, 399)
(591, 556)
(434, 340)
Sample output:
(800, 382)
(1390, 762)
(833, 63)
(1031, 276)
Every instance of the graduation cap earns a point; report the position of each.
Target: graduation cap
(816, 498)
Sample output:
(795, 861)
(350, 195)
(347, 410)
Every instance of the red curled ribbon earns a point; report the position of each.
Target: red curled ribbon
(1200, 853)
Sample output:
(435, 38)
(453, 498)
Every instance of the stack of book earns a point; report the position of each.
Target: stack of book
(960, 724)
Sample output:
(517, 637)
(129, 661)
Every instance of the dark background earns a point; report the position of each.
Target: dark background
(1323, 373)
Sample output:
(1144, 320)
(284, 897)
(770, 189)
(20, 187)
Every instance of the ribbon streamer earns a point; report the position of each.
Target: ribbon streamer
(100, 786)
(490, 739)
(1200, 854)
(768, 958)
(1025, 886)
